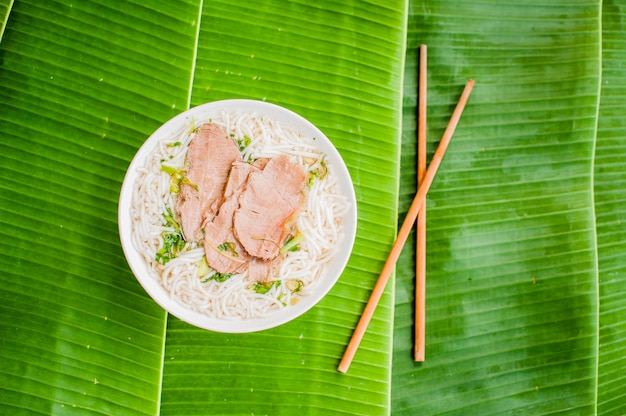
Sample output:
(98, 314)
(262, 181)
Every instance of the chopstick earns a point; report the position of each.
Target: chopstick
(419, 353)
(407, 225)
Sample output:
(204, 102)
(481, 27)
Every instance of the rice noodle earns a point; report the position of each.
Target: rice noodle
(320, 221)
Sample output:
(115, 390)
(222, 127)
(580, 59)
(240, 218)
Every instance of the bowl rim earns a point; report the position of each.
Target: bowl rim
(154, 289)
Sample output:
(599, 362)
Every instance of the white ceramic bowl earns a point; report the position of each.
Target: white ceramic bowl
(148, 279)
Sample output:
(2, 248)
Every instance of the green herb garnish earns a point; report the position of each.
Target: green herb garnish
(203, 267)
(218, 277)
(292, 243)
(318, 173)
(192, 127)
(294, 285)
(229, 246)
(222, 277)
(263, 287)
(179, 177)
(244, 142)
(173, 241)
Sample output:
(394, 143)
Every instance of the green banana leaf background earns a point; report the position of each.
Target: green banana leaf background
(526, 218)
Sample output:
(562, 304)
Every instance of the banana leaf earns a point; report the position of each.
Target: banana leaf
(83, 85)
(513, 310)
(610, 207)
(343, 78)
(526, 287)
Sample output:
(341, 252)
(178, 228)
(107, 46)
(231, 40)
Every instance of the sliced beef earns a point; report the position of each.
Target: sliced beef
(261, 162)
(222, 249)
(260, 270)
(270, 198)
(209, 159)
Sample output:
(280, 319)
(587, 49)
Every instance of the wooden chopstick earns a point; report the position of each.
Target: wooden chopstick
(408, 223)
(419, 352)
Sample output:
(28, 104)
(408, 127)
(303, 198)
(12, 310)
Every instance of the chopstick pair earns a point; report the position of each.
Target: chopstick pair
(403, 234)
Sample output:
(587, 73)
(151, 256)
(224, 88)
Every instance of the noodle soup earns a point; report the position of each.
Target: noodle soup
(310, 258)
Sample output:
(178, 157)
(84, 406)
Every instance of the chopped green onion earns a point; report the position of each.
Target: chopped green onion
(218, 277)
(173, 241)
(192, 127)
(292, 243)
(244, 142)
(318, 173)
(170, 221)
(262, 287)
(295, 285)
(170, 170)
(203, 267)
(179, 177)
(222, 277)
(229, 246)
